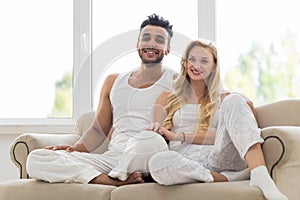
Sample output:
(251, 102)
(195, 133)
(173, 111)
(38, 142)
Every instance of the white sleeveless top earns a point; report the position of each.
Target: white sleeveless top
(133, 107)
(185, 120)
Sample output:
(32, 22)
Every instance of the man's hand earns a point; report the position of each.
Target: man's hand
(61, 147)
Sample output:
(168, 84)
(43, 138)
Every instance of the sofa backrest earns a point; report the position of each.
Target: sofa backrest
(84, 122)
(279, 113)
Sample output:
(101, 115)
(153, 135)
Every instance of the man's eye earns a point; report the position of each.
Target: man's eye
(160, 40)
(146, 38)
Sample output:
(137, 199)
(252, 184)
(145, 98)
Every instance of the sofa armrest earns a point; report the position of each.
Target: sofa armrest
(281, 150)
(27, 142)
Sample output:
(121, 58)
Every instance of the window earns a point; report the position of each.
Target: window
(259, 53)
(259, 46)
(115, 33)
(36, 59)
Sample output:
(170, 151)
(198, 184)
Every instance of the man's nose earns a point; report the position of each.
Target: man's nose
(152, 43)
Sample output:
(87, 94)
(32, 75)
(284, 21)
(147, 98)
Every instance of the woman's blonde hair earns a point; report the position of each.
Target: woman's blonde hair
(182, 90)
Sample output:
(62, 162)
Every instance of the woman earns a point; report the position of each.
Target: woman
(212, 137)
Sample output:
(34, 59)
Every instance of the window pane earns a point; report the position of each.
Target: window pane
(111, 21)
(258, 44)
(36, 58)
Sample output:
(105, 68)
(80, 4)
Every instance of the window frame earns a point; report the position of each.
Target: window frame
(83, 90)
(81, 50)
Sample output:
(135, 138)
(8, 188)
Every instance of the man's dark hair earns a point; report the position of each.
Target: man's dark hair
(157, 20)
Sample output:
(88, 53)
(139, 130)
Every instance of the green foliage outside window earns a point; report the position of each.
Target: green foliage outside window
(63, 104)
(266, 74)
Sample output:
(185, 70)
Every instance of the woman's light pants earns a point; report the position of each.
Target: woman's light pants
(237, 131)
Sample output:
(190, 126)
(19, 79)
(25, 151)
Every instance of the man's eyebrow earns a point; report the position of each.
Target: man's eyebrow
(146, 34)
(160, 36)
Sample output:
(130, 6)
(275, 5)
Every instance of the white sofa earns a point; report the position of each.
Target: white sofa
(280, 123)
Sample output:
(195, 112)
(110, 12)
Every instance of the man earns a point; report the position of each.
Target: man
(124, 108)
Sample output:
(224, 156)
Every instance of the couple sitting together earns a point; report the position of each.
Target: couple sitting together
(174, 128)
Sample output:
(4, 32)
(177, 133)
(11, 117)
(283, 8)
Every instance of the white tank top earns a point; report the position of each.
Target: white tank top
(133, 107)
(185, 120)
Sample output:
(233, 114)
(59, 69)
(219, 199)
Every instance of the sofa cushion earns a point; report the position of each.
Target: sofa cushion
(37, 190)
(201, 191)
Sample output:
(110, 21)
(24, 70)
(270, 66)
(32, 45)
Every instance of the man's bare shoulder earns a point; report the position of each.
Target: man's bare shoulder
(112, 77)
(109, 81)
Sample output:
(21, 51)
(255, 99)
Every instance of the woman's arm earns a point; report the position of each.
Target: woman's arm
(204, 138)
(159, 113)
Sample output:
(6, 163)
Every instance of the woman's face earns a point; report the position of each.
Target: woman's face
(200, 63)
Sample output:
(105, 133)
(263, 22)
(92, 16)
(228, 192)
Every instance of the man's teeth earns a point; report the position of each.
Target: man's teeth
(150, 51)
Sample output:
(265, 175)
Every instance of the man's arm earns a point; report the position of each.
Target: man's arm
(99, 130)
(97, 133)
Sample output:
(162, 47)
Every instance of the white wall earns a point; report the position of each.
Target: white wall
(8, 170)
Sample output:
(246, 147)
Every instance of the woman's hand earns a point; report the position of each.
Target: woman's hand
(168, 135)
(154, 127)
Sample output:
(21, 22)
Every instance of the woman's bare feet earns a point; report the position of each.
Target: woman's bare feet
(104, 179)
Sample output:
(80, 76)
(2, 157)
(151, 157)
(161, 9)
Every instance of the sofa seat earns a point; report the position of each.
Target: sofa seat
(27, 189)
(239, 190)
(38, 190)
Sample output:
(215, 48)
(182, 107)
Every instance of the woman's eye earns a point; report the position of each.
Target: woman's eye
(191, 60)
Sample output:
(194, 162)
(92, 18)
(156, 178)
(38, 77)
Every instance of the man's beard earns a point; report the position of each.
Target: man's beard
(151, 62)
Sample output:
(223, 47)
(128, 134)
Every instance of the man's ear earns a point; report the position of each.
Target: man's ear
(167, 51)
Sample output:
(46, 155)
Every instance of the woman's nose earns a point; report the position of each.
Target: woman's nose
(196, 64)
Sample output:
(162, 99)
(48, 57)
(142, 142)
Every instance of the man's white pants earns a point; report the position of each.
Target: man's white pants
(61, 166)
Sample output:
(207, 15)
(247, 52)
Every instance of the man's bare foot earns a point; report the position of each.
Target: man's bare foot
(135, 177)
(104, 179)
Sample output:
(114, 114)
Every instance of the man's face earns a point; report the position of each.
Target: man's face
(153, 44)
